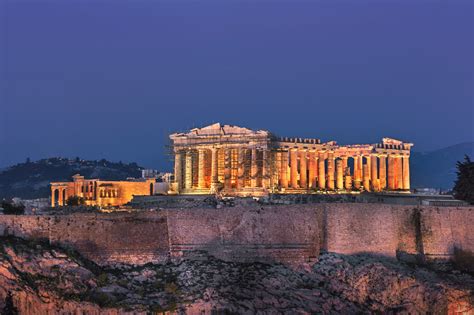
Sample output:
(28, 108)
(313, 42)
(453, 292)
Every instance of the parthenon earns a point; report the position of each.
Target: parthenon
(239, 161)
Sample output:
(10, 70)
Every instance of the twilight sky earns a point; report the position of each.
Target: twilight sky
(112, 78)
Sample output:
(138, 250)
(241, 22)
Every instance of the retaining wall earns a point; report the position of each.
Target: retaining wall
(286, 233)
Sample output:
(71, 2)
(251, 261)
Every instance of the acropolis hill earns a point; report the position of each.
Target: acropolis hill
(240, 161)
(253, 223)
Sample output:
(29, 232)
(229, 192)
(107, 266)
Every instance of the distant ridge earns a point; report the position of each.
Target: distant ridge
(437, 168)
(31, 179)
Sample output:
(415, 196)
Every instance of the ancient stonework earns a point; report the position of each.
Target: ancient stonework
(239, 161)
(98, 192)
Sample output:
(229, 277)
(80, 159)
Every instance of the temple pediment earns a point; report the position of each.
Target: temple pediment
(218, 129)
(391, 141)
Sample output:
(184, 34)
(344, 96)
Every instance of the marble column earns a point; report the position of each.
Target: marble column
(348, 179)
(201, 168)
(321, 171)
(253, 169)
(330, 183)
(294, 168)
(284, 170)
(60, 197)
(312, 170)
(357, 172)
(265, 170)
(240, 168)
(391, 172)
(382, 172)
(399, 172)
(406, 172)
(227, 169)
(339, 175)
(366, 180)
(303, 170)
(178, 170)
(188, 170)
(214, 167)
(373, 172)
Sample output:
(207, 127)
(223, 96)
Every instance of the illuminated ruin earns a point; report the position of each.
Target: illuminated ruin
(98, 192)
(239, 161)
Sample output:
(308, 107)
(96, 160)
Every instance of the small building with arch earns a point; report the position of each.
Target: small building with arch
(96, 192)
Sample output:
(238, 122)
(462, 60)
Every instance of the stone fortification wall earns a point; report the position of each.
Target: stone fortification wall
(116, 237)
(246, 234)
(288, 233)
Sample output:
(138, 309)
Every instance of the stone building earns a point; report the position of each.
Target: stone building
(240, 161)
(99, 192)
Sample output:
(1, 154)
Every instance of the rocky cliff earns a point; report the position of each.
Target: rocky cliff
(36, 278)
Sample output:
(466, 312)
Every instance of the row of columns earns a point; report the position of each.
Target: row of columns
(320, 170)
(184, 174)
(61, 196)
(296, 169)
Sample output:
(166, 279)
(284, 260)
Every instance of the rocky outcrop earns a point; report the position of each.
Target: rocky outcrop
(36, 278)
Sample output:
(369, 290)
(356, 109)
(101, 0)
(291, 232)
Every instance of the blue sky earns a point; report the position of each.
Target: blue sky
(111, 79)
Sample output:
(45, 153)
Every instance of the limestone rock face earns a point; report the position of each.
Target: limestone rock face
(36, 278)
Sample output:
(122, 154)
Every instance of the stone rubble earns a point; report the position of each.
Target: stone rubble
(44, 279)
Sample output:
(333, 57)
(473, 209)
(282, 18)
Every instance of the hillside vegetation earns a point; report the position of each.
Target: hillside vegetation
(31, 180)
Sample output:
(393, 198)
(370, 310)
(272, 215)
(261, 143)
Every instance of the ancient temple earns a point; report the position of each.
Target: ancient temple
(96, 192)
(239, 161)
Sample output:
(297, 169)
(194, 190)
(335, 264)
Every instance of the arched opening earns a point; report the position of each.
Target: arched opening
(151, 189)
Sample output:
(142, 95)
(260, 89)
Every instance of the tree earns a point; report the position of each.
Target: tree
(75, 201)
(464, 185)
(9, 207)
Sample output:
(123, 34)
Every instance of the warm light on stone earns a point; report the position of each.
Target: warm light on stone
(96, 192)
(240, 161)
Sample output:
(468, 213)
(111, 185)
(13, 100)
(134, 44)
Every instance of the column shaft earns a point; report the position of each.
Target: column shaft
(178, 170)
(294, 168)
(330, 176)
(383, 172)
(240, 168)
(348, 179)
(227, 169)
(406, 172)
(265, 171)
(357, 171)
(366, 181)
(312, 170)
(339, 175)
(391, 172)
(284, 170)
(201, 169)
(303, 170)
(254, 169)
(60, 197)
(214, 166)
(399, 172)
(188, 170)
(373, 173)
(321, 172)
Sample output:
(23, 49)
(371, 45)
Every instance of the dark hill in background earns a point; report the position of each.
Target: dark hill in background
(31, 179)
(437, 169)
